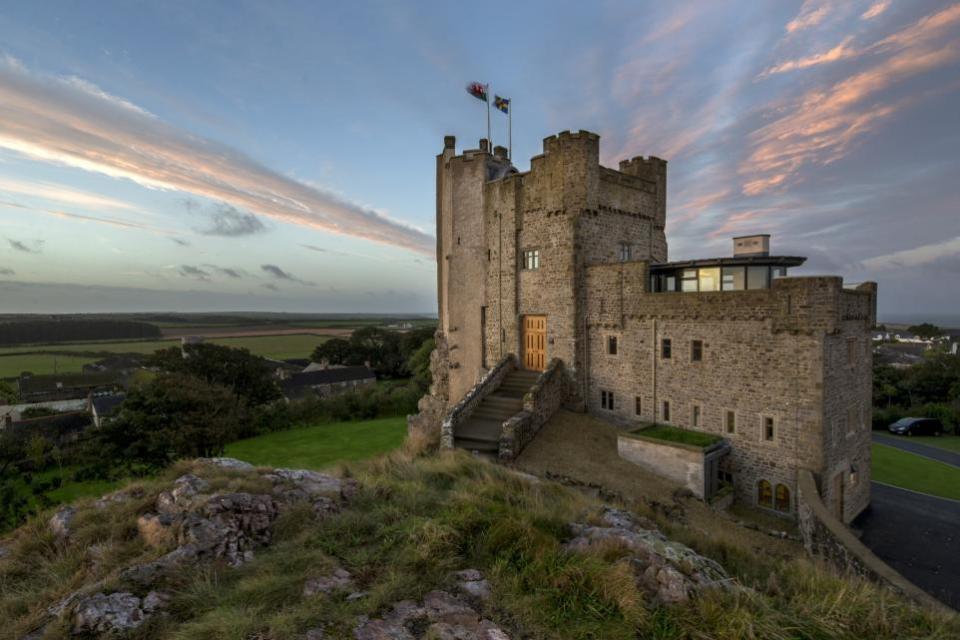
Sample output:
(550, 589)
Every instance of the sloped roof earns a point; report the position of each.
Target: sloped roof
(327, 376)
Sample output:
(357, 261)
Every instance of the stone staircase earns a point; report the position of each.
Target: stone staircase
(481, 431)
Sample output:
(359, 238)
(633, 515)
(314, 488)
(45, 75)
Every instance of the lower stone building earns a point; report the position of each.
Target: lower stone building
(555, 289)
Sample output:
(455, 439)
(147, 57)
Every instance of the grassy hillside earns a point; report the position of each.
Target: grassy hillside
(414, 520)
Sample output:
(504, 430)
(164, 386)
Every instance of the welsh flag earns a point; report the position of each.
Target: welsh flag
(477, 90)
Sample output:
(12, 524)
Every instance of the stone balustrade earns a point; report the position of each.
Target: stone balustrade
(463, 409)
(539, 404)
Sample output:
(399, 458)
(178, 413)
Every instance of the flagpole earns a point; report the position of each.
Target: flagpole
(489, 139)
(510, 131)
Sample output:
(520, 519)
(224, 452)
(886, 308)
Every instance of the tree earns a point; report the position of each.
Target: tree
(419, 364)
(11, 450)
(334, 351)
(8, 395)
(248, 375)
(926, 330)
(175, 415)
(37, 451)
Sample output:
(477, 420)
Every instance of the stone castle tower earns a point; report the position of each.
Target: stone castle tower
(554, 290)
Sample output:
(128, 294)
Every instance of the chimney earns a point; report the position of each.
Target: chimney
(500, 152)
(449, 142)
(484, 145)
(756, 245)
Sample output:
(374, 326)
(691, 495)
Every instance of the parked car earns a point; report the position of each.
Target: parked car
(916, 427)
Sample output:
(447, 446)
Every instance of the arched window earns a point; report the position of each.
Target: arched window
(764, 494)
(783, 498)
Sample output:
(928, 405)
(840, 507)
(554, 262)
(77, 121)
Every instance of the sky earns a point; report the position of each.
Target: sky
(280, 156)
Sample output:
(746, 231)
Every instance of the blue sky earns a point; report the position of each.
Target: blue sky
(280, 156)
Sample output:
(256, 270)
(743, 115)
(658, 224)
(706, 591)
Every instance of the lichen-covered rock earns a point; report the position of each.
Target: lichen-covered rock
(230, 526)
(118, 497)
(338, 580)
(669, 570)
(178, 498)
(61, 520)
(314, 484)
(104, 614)
(442, 616)
(229, 463)
(472, 583)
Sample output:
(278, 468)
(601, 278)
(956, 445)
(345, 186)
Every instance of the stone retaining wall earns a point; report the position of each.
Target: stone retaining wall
(678, 462)
(826, 537)
(546, 396)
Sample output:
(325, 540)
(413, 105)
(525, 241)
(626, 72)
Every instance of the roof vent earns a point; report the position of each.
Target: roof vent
(756, 245)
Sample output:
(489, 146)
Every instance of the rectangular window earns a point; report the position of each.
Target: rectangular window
(666, 411)
(709, 279)
(778, 272)
(688, 280)
(665, 349)
(531, 259)
(671, 283)
(731, 422)
(612, 345)
(626, 252)
(695, 417)
(696, 350)
(768, 430)
(606, 400)
(638, 405)
(734, 279)
(758, 277)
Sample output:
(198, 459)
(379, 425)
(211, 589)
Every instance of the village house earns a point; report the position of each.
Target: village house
(555, 289)
(327, 382)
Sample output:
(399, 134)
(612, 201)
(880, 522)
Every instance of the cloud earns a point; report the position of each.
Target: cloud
(875, 9)
(66, 215)
(278, 273)
(60, 193)
(226, 220)
(180, 241)
(70, 122)
(226, 271)
(188, 271)
(270, 286)
(30, 246)
(915, 257)
(4, 271)
(811, 14)
(839, 52)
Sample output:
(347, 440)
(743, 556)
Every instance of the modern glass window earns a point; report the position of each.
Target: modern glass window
(531, 259)
(695, 416)
(768, 430)
(666, 411)
(688, 280)
(734, 278)
(606, 400)
(696, 350)
(612, 345)
(758, 277)
(731, 422)
(709, 279)
(626, 252)
(665, 349)
(671, 283)
(638, 405)
(764, 494)
(778, 272)
(783, 498)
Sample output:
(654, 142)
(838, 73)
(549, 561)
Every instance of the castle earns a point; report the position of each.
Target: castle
(555, 290)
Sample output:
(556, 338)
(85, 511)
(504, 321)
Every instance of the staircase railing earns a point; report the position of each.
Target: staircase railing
(539, 404)
(463, 409)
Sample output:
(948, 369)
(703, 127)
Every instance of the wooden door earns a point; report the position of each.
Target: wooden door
(535, 343)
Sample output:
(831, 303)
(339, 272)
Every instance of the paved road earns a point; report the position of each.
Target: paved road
(906, 444)
(918, 535)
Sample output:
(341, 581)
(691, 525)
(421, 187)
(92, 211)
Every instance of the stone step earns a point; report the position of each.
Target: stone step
(477, 445)
(479, 429)
(491, 413)
(498, 399)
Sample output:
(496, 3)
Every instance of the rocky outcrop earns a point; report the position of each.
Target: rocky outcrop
(339, 580)
(667, 570)
(60, 522)
(116, 612)
(441, 616)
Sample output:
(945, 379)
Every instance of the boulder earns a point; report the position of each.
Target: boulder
(336, 581)
(117, 497)
(61, 520)
(442, 616)
(106, 614)
(472, 583)
(229, 463)
(314, 484)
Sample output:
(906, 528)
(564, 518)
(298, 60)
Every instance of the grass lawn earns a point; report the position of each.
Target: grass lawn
(322, 445)
(914, 472)
(948, 442)
(41, 363)
(674, 434)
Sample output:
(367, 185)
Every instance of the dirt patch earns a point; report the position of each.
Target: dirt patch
(583, 449)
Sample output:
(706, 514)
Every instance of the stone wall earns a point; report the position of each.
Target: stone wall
(826, 537)
(683, 464)
(548, 394)
(472, 399)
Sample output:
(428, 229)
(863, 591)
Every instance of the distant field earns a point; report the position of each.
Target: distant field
(40, 360)
(320, 446)
(903, 469)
